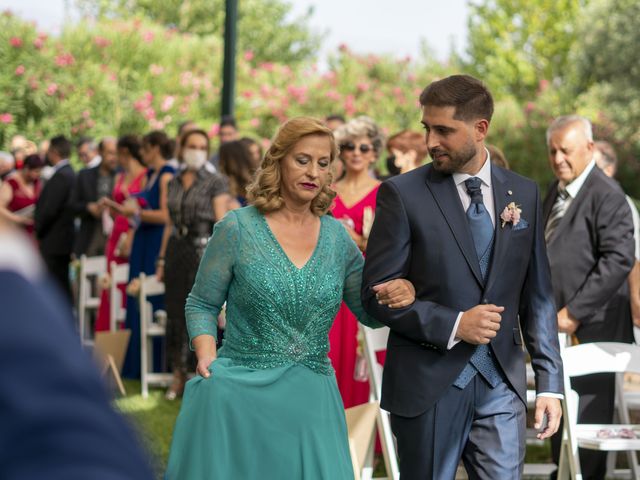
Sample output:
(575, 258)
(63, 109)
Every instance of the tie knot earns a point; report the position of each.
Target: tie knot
(473, 185)
(562, 193)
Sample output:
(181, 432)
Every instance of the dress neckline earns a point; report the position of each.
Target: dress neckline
(281, 250)
(358, 202)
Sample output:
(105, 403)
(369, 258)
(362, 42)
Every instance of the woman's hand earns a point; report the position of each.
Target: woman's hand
(205, 347)
(202, 368)
(160, 273)
(397, 293)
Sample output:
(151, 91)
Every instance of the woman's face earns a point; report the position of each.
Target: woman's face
(149, 153)
(256, 156)
(358, 154)
(306, 169)
(32, 175)
(124, 158)
(195, 142)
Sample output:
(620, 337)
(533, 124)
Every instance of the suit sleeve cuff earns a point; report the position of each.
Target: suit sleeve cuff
(559, 396)
(453, 340)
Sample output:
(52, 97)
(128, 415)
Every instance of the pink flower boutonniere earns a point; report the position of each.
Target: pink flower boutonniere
(510, 214)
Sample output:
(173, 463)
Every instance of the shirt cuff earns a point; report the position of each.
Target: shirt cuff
(559, 396)
(453, 340)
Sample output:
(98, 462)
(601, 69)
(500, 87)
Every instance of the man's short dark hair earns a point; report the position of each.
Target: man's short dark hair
(335, 117)
(85, 140)
(61, 145)
(471, 99)
(228, 121)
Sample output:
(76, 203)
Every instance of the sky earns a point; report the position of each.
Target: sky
(365, 26)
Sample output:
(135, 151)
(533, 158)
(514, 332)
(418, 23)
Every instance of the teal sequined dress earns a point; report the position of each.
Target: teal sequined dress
(271, 408)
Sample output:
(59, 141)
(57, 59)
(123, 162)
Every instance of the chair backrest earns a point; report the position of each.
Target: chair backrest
(89, 267)
(150, 286)
(601, 357)
(375, 340)
(119, 275)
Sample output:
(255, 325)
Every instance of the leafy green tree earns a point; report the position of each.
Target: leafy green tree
(514, 44)
(606, 76)
(265, 27)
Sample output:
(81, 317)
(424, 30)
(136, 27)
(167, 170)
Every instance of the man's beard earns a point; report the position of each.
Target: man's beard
(455, 161)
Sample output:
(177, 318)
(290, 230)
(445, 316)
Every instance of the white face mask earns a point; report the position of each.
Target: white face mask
(194, 159)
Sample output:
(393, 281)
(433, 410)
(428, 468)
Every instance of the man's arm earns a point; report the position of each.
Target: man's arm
(615, 250)
(388, 257)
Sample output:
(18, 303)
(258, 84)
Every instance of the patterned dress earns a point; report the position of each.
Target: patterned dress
(191, 213)
(271, 408)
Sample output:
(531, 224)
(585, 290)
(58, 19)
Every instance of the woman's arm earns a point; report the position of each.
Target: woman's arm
(162, 214)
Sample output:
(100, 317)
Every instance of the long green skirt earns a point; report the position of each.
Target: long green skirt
(284, 423)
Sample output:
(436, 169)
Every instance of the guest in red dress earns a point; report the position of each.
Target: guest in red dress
(129, 182)
(19, 193)
(361, 141)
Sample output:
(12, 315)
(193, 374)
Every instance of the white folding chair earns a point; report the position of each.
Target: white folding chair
(117, 313)
(375, 340)
(91, 268)
(586, 359)
(149, 329)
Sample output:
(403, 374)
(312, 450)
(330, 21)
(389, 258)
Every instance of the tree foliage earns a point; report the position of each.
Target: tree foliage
(513, 44)
(265, 27)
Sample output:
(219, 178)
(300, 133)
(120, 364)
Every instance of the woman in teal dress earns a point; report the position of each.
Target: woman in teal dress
(267, 406)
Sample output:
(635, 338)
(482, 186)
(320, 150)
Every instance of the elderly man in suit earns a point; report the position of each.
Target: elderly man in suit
(57, 422)
(92, 185)
(589, 235)
(53, 216)
(469, 236)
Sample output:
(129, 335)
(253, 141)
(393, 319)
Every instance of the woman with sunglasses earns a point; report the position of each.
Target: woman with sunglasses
(361, 141)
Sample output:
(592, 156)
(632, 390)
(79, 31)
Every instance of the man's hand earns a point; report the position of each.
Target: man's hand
(553, 409)
(95, 209)
(566, 322)
(396, 293)
(480, 324)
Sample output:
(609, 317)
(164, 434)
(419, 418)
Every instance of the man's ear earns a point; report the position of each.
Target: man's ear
(481, 129)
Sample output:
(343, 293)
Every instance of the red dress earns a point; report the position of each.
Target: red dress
(120, 227)
(343, 334)
(22, 199)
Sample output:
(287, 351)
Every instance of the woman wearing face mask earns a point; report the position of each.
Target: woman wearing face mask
(196, 199)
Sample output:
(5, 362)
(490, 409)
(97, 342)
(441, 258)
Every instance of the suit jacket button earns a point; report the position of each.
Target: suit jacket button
(485, 301)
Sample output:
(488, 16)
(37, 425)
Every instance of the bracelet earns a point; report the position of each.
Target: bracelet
(160, 262)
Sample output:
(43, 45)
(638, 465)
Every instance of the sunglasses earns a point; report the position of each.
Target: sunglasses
(350, 147)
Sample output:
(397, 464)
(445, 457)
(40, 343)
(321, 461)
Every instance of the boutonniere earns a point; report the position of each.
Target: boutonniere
(510, 214)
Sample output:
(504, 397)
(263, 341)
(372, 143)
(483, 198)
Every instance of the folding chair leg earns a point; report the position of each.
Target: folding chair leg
(116, 375)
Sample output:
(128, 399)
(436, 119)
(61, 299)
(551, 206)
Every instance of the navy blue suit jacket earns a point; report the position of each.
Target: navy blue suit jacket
(55, 418)
(421, 233)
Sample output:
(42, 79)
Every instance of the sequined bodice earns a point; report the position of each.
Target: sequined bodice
(277, 314)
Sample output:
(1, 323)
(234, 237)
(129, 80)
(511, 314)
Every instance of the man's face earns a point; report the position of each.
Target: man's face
(451, 142)
(109, 154)
(85, 154)
(228, 134)
(570, 151)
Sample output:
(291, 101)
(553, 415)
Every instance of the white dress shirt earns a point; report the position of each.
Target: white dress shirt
(484, 174)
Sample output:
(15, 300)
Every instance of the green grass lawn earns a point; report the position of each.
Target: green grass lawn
(155, 417)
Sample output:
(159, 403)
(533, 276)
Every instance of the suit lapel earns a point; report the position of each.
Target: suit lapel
(446, 196)
(573, 207)
(501, 198)
(548, 202)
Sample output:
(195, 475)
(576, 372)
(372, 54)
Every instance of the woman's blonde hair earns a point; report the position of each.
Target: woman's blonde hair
(264, 192)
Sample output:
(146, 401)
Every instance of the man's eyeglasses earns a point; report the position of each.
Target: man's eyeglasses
(350, 147)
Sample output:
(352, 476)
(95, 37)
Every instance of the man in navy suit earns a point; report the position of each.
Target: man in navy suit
(56, 421)
(469, 237)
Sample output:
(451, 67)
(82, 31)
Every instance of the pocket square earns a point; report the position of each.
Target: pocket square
(521, 225)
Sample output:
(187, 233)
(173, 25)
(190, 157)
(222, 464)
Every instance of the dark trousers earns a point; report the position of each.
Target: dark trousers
(483, 426)
(597, 396)
(58, 267)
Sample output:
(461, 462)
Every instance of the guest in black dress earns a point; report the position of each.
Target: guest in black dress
(196, 199)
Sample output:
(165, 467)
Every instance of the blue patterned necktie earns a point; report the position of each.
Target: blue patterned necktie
(482, 232)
